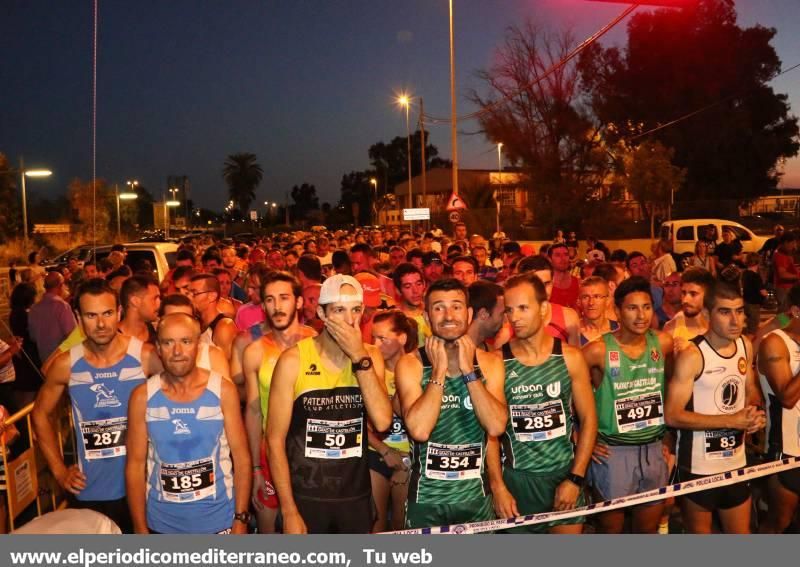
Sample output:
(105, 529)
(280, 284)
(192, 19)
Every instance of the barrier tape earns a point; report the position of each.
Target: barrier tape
(678, 489)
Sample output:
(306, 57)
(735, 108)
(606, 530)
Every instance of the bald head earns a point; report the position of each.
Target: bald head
(173, 320)
(178, 343)
(53, 280)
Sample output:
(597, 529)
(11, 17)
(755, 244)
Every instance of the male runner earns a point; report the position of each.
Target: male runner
(99, 374)
(282, 301)
(451, 396)
(188, 467)
(140, 299)
(218, 328)
(323, 390)
(488, 313)
(779, 375)
(629, 369)
(545, 379)
(410, 284)
(713, 400)
(563, 323)
(691, 321)
(593, 299)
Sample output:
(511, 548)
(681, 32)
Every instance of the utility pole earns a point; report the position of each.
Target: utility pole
(422, 151)
(453, 124)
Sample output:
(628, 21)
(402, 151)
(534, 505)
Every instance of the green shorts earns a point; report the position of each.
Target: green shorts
(534, 493)
(431, 515)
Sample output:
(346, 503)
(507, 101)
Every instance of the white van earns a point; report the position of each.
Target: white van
(683, 234)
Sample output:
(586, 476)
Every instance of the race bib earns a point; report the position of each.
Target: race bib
(326, 439)
(539, 422)
(639, 412)
(397, 432)
(454, 462)
(104, 438)
(189, 481)
(723, 443)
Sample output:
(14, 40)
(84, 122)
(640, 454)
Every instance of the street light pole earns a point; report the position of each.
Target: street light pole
(24, 206)
(119, 221)
(453, 130)
(373, 212)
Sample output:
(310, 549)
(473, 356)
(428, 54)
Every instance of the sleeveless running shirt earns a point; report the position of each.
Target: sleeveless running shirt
(449, 467)
(538, 435)
(630, 399)
(783, 425)
(326, 445)
(189, 467)
(271, 351)
(720, 389)
(557, 326)
(396, 438)
(99, 399)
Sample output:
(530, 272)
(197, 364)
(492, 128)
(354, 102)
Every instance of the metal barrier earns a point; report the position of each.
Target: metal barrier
(28, 479)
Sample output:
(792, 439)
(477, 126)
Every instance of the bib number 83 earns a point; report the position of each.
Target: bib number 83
(728, 442)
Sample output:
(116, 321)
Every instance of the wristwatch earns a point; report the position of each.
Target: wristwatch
(576, 479)
(362, 364)
(243, 517)
(469, 377)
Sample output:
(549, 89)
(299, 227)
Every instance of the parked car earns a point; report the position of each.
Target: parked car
(159, 255)
(683, 234)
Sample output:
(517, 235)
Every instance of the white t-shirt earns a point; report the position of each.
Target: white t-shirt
(7, 373)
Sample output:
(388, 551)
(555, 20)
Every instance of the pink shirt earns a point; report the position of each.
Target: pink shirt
(248, 315)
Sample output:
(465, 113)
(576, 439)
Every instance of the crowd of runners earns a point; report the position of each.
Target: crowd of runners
(375, 380)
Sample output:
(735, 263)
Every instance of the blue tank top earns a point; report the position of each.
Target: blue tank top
(100, 413)
(189, 467)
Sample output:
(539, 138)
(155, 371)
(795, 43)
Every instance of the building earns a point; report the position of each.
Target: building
(478, 187)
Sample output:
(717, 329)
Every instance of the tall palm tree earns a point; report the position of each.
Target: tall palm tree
(242, 174)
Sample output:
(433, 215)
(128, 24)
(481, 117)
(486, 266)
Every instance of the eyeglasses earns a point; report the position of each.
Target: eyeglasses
(196, 293)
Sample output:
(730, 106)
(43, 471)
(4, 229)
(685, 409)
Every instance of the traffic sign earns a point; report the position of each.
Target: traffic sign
(454, 217)
(456, 203)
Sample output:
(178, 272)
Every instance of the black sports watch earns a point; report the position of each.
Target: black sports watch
(362, 364)
(243, 517)
(576, 479)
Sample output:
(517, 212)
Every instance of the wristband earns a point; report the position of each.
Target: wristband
(469, 377)
(435, 382)
(576, 479)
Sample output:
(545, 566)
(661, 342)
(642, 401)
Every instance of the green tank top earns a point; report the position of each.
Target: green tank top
(537, 437)
(630, 399)
(449, 467)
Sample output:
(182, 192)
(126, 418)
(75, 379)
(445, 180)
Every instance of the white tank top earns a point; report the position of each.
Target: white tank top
(719, 390)
(783, 425)
(204, 356)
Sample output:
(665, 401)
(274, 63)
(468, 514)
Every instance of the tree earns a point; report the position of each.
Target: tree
(242, 174)
(651, 178)
(10, 219)
(543, 122)
(357, 189)
(93, 209)
(698, 59)
(390, 161)
(305, 201)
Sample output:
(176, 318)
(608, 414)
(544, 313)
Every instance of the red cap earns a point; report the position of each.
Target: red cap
(372, 289)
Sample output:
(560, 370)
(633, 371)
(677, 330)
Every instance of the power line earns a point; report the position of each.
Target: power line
(574, 53)
(706, 107)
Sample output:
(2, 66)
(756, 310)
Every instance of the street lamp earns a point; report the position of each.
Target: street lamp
(167, 206)
(126, 196)
(404, 101)
(23, 173)
(374, 183)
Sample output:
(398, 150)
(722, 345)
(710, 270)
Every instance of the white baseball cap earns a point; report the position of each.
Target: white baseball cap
(331, 290)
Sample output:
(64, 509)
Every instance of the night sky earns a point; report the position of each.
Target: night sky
(306, 85)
